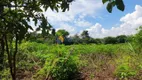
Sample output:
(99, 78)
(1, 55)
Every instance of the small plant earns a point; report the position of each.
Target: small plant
(5, 75)
(124, 71)
(137, 39)
(125, 67)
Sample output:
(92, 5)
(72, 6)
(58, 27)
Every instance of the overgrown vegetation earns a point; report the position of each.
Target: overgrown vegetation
(112, 58)
(55, 56)
(40, 61)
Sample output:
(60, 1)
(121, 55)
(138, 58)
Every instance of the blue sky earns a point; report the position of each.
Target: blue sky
(92, 15)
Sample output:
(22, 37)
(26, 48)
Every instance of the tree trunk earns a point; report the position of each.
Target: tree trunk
(10, 61)
(1, 53)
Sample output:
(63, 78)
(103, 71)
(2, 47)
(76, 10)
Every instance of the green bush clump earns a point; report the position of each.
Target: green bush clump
(124, 71)
(125, 67)
(58, 62)
(60, 66)
(66, 68)
(5, 75)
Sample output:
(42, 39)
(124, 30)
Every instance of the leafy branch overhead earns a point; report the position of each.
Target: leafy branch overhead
(23, 11)
(111, 3)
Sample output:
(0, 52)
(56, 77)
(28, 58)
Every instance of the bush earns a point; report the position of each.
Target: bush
(124, 71)
(137, 40)
(54, 61)
(125, 67)
(110, 40)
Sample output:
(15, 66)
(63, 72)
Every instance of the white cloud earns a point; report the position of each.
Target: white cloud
(82, 23)
(82, 8)
(97, 31)
(130, 22)
(78, 9)
(67, 27)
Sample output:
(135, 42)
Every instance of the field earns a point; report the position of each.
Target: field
(77, 62)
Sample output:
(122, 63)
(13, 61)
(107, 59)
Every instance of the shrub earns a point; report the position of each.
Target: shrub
(125, 67)
(124, 71)
(56, 61)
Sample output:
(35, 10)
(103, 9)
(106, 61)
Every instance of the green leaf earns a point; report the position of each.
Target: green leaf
(109, 7)
(38, 29)
(35, 20)
(30, 27)
(64, 6)
(28, 19)
(52, 8)
(64, 10)
(46, 7)
(26, 24)
(120, 5)
(104, 1)
(56, 8)
(113, 3)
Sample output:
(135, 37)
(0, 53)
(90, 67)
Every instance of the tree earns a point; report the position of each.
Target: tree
(45, 27)
(76, 39)
(53, 32)
(98, 41)
(62, 32)
(85, 36)
(14, 18)
(62, 35)
(121, 38)
(110, 40)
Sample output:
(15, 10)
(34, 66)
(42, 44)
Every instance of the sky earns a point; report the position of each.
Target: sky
(92, 15)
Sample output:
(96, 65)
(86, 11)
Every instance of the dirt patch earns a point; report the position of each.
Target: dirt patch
(106, 73)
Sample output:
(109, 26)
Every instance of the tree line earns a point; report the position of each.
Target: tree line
(62, 37)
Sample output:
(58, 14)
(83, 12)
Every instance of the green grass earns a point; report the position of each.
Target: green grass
(44, 61)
